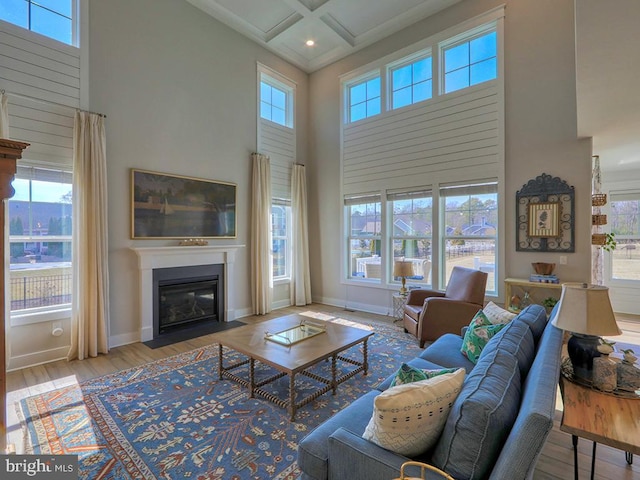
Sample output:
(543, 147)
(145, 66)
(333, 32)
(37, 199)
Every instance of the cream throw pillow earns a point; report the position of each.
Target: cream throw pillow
(408, 419)
(497, 314)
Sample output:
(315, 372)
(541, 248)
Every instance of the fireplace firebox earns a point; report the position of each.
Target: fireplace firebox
(185, 297)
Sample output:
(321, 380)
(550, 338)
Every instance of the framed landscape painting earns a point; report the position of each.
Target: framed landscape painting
(172, 206)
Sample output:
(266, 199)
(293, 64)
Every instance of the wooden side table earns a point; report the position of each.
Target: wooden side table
(602, 418)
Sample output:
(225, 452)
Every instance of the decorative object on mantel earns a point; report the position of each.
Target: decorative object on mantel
(586, 312)
(545, 212)
(190, 242)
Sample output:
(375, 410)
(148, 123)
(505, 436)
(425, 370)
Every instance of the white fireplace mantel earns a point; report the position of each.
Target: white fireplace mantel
(150, 258)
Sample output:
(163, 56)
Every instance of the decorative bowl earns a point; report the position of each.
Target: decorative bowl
(542, 268)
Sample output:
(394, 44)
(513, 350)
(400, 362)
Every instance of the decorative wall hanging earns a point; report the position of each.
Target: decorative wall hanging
(545, 210)
(172, 206)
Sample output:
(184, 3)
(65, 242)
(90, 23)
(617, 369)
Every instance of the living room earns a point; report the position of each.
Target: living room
(178, 89)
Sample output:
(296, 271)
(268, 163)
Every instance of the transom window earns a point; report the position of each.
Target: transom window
(411, 83)
(52, 18)
(364, 242)
(273, 103)
(364, 99)
(470, 62)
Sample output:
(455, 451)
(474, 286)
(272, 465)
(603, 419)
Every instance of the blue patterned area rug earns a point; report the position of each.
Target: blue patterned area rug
(174, 419)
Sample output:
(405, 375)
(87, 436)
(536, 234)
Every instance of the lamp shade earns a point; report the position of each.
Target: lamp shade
(402, 268)
(586, 309)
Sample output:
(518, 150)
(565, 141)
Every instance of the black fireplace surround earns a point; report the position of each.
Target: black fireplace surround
(185, 297)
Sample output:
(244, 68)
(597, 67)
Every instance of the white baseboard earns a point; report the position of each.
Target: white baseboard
(125, 339)
(360, 307)
(38, 358)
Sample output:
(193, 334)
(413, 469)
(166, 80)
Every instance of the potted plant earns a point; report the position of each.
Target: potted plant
(549, 303)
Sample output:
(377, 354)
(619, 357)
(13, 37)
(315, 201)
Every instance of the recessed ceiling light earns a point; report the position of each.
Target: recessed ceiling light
(310, 43)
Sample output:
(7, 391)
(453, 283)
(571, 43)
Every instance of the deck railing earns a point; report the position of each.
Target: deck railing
(40, 291)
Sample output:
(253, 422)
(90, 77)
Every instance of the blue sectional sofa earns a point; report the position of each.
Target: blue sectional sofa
(497, 425)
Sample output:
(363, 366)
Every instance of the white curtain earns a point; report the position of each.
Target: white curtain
(90, 310)
(301, 285)
(261, 261)
(4, 133)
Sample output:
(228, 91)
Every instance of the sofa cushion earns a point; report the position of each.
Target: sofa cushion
(480, 331)
(407, 419)
(536, 317)
(480, 418)
(516, 339)
(313, 450)
(445, 352)
(413, 363)
(497, 314)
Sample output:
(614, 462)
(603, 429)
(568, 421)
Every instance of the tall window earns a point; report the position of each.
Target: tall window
(364, 218)
(470, 62)
(40, 239)
(470, 227)
(411, 219)
(625, 224)
(364, 99)
(281, 240)
(411, 83)
(52, 18)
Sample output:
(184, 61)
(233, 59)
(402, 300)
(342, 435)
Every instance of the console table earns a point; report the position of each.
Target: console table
(526, 286)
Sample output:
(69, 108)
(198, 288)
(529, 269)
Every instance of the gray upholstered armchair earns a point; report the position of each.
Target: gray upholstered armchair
(429, 314)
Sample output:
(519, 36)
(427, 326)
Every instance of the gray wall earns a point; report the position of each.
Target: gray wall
(540, 130)
(179, 91)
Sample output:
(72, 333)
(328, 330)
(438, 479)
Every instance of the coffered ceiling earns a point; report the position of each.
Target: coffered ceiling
(337, 27)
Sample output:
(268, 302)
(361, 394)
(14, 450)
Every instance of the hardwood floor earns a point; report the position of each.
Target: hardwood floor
(556, 461)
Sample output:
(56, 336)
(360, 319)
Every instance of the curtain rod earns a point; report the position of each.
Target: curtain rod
(47, 102)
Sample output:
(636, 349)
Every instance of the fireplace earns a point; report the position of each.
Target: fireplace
(185, 297)
(151, 259)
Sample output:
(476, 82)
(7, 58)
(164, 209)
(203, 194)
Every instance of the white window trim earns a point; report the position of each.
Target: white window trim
(488, 20)
(408, 60)
(346, 97)
(273, 78)
(617, 188)
(465, 37)
(78, 9)
(29, 316)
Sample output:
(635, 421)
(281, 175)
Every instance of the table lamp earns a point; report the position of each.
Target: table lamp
(404, 269)
(586, 312)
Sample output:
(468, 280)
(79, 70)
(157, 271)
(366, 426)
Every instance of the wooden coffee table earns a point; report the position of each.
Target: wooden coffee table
(291, 360)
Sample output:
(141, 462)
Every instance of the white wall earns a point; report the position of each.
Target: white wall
(179, 91)
(540, 130)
